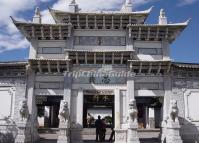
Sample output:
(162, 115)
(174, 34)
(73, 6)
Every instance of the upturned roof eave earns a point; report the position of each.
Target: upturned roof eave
(145, 12)
(186, 65)
(183, 25)
(38, 24)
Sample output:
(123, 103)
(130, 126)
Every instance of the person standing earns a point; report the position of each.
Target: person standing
(103, 130)
(112, 136)
(98, 126)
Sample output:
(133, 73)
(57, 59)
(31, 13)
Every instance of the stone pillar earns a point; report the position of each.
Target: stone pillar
(117, 109)
(120, 134)
(76, 131)
(67, 89)
(130, 90)
(80, 108)
(32, 105)
(167, 96)
(147, 116)
(151, 118)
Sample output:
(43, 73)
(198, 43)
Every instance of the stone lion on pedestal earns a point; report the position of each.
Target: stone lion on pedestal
(63, 112)
(133, 112)
(23, 109)
(173, 111)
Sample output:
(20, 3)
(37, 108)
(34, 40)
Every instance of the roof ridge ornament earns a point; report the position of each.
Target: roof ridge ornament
(37, 11)
(162, 13)
(127, 6)
(162, 18)
(188, 21)
(37, 16)
(128, 2)
(73, 6)
(73, 2)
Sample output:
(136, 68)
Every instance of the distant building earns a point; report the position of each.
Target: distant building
(97, 62)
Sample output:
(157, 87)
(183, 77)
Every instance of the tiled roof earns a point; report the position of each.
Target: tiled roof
(186, 65)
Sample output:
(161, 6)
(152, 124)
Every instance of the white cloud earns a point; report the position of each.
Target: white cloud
(10, 38)
(187, 2)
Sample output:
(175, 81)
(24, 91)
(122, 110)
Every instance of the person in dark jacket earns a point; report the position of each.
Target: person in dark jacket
(98, 126)
(103, 130)
(112, 136)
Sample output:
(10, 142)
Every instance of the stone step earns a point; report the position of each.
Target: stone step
(145, 135)
(48, 130)
(48, 137)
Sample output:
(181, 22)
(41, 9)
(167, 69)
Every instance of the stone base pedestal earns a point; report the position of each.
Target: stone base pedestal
(163, 133)
(173, 133)
(63, 136)
(76, 135)
(132, 136)
(24, 135)
(120, 136)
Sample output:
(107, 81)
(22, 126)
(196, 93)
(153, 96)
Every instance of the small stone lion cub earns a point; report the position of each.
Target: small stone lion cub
(173, 111)
(23, 109)
(63, 111)
(133, 112)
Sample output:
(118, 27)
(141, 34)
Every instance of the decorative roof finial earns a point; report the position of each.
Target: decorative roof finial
(162, 13)
(127, 6)
(73, 6)
(73, 2)
(37, 11)
(162, 17)
(37, 16)
(128, 2)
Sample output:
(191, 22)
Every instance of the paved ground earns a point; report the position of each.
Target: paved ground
(150, 136)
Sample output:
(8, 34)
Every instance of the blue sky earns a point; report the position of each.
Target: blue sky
(185, 49)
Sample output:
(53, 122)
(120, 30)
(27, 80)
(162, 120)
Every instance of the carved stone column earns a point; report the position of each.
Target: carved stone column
(77, 127)
(64, 135)
(117, 109)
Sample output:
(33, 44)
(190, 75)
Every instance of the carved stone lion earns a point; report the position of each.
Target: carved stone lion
(23, 109)
(63, 112)
(173, 111)
(133, 112)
